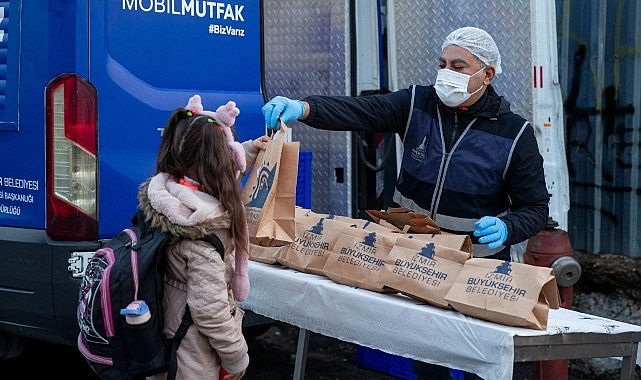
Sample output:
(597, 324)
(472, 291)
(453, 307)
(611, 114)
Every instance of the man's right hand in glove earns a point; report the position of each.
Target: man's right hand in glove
(282, 108)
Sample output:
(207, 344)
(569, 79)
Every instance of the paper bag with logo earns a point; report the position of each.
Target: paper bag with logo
(365, 224)
(314, 241)
(346, 219)
(265, 255)
(509, 293)
(357, 258)
(423, 270)
(456, 241)
(270, 193)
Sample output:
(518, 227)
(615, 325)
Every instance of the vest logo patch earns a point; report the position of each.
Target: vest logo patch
(418, 152)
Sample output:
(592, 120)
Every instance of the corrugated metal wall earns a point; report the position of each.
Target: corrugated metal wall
(307, 53)
(600, 64)
(422, 25)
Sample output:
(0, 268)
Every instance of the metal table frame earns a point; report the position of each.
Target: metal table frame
(580, 346)
(535, 348)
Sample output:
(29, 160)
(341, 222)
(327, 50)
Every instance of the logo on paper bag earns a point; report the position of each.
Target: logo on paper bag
(318, 228)
(362, 254)
(496, 284)
(311, 242)
(504, 268)
(263, 186)
(421, 268)
(370, 239)
(427, 251)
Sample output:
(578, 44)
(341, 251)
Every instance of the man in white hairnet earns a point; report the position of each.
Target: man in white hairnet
(469, 162)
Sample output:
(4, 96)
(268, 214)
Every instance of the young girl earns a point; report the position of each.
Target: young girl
(196, 192)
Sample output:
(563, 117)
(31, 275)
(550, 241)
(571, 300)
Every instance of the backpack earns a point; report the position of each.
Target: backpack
(130, 267)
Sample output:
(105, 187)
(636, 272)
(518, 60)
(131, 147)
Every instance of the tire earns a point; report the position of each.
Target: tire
(11, 346)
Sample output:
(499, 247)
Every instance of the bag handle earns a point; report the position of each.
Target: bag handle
(283, 127)
(281, 132)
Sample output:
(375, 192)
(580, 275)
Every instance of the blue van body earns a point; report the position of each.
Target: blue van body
(141, 59)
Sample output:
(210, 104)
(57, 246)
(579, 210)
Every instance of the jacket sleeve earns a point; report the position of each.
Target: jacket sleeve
(208, 300)
(525, 181)
(371, 113)
(251, 152)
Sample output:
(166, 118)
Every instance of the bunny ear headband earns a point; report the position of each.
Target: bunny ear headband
(225, 116)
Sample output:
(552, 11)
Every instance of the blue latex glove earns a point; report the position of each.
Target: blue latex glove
(282, 108)
(491, 230)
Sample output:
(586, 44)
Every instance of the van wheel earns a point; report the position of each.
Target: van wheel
(11, 346)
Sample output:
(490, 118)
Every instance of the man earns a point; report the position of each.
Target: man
(469, 162)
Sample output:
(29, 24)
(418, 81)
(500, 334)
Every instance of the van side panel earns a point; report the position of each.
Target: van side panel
(140, 78)
(22, 181)
(9, 63)
(197, 48)
(36, 39)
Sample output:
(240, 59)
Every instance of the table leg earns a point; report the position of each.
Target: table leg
(629, 363)
(301, 354)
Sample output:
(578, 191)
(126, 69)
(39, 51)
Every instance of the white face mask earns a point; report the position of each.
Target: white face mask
(451, 87)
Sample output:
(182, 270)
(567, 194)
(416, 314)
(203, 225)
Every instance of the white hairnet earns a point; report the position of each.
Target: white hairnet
(478, 42)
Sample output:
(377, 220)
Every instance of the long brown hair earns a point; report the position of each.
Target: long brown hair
(195, 146)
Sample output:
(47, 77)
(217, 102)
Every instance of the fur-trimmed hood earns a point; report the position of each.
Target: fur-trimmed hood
(180, 210)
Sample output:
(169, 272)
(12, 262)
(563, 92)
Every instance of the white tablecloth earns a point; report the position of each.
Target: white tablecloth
(400, 325)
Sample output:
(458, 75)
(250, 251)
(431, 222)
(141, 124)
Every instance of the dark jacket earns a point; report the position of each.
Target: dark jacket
(459, 164)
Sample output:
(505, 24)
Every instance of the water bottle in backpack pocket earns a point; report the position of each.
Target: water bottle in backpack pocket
(145, 348)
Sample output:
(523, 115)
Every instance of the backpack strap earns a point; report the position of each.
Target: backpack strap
(214, 240)
(187, 320)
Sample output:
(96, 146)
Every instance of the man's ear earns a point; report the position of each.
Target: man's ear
(490, 73)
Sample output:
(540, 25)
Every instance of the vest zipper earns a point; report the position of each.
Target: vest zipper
(438, 188)
(454, 130)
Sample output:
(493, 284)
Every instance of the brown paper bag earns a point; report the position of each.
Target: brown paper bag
(423, 270)
(300, 211)
(270, 193)
(365, 224)
(406, 220)
(509, 293)
(266, 255)
(383, 227)
(358, 223)
(314, 241)
(357, 258)
(456, 241)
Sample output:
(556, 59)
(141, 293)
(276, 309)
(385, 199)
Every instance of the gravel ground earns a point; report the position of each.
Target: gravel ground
(273, 354)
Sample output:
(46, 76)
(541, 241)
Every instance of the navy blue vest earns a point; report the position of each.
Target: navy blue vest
(459, 187)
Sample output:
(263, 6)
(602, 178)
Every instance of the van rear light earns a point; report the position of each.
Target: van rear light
(72, 150)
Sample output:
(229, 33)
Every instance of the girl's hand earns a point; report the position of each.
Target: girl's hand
(261, 142)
